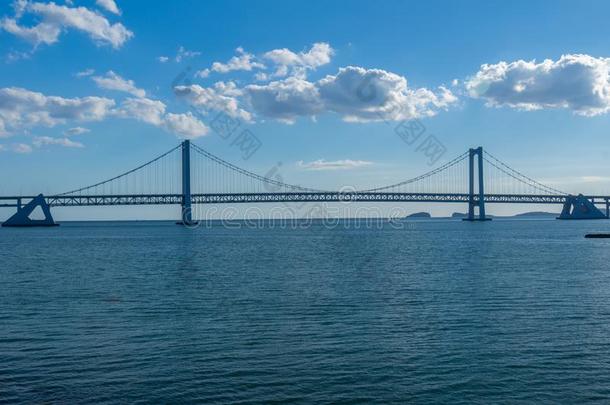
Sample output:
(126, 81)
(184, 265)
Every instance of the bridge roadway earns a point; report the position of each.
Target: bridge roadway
(234, 198)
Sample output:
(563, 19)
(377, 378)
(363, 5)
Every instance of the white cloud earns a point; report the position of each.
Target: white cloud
(3, 132)
(109, 5)
(56, 18)
(76, 131)
(112, 81)
(14, 56)
(243, 61)
(373, 94)
(203, 73)
(285, 59)
(40, 141)
(181, 55)
(594, 179)
(185, 54)
(16, 147)
(222, 97)
(85, 73)
(261, 76)
(357, 94)
(42, 33)
(153, 112)
(21, 108)
(322, 164)
(22, 148)
(580, 83)
(285, 100)
(19, 6)
(185, 125)
(143, 109)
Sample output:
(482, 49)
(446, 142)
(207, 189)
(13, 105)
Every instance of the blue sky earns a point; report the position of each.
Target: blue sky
(102, 75)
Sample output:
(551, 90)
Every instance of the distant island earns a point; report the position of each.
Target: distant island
(419, 215)
(537, 214)
(463, 215)
(460, 215)
(522, 215)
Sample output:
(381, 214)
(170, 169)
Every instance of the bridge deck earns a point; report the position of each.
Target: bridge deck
(176, 199)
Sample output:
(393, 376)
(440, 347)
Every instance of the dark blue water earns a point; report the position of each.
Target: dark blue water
(436, 312)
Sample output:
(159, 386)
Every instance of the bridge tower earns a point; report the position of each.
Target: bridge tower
(186, 212)
(472, 201)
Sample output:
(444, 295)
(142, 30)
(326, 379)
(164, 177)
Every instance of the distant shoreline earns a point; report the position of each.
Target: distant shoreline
(525, 216)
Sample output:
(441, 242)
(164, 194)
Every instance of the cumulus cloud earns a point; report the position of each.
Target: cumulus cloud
(593, 179)
(56, 18)
(143, 109)
(285, 100)
(14, 56)
(373, 94)
(203, 73)
(243, 61)
(357, 94)
(184, 54)
(153, 112)
(181, 55)
(580, 83)
(76, 131)
(21, 148)
(222, 97)
(40, 141)
(16, 147)
(109, 5)
(21, 108)
(85, 73)
(42, 33)
(285, 59)
(322, 164)
(261, 76)
(185, 125)
(112, 81)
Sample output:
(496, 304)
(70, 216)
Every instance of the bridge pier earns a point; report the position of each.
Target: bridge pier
(472, 201)
(22, 216)
(186, 206)
(579, 207)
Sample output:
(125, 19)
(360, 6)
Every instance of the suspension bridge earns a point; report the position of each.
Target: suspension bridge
(188, 174)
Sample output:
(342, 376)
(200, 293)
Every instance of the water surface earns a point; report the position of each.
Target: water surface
(432, 312)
